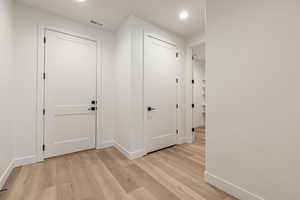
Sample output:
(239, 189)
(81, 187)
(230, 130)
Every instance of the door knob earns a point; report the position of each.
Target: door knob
(150, 109)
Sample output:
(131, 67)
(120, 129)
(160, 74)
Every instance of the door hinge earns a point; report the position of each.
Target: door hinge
(3, 190)
(43, 147)
(193, 129)
(193, 81)
(44, 111)
(193, 105)
(177, 80)
(177, 106)
(177, 132)
(45, 40)
(177, 54)
(44, 76)
(193, 57)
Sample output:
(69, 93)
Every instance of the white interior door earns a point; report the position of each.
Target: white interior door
(198, 94)
(160, 92)
(70, 88)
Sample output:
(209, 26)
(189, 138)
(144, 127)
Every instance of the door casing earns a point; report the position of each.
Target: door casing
(154, 36)
(40, 90)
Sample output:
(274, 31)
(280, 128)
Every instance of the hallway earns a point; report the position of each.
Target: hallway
(171, 174)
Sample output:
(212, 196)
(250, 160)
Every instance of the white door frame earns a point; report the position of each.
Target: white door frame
(40, 88)
(189, 91)
(157, 37)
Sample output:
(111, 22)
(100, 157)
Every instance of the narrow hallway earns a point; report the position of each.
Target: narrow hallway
(175, 173)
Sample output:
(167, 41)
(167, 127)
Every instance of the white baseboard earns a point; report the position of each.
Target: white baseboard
(230, 188)
(5, 175)
(137, 154)
(189, 140)
(27, 160)
(106, 144)
(181, 140)
(131, 155)
(122, 149)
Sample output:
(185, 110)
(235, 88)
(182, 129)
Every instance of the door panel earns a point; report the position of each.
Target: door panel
(198, 94)
(70, 86)
(160, 92)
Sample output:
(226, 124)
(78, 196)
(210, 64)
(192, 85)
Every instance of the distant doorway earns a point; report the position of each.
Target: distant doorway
(199, 93)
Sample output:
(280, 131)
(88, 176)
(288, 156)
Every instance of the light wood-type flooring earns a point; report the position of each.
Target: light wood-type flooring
(175, 173)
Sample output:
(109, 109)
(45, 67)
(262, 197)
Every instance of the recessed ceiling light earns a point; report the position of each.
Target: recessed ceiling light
(183, 15)
(81, 1)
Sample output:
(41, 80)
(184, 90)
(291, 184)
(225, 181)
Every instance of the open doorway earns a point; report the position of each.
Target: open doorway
(199, 93)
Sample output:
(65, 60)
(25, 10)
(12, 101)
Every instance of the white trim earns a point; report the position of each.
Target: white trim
(106, 144)
(189, 140)
(189, 90)
(6, 173)
(137, 154)
(131, 155)
(159, 37)
(230, 188)
(196, 42)
(181, 140)
(70, 33)
(40, 87)
(122, 149)
(27, 160)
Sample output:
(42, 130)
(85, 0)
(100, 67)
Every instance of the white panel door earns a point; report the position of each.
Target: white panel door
(160, 92)
(70, 88)
(198, 94)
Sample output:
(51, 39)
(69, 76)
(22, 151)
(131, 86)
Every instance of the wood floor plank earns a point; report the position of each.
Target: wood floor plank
(182, 164)
(119, 156)
(142, 194)
(192, 182)
(149, 183)
(81, 187)
(48, 194)
(179, 189)
(11, 183)
(118, 171)
(91, 179)
(111, 188)
(176, 173)
(18, 191)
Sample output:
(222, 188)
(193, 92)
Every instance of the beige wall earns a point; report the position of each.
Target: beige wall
(253, 68)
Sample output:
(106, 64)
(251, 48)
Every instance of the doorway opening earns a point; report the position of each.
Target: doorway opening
(199, 93)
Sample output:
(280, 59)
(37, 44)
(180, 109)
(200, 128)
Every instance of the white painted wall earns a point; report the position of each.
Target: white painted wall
(123, 74)
(129, 70)
(253, 140)
(6, 88)
(26, 37)
(196, 40)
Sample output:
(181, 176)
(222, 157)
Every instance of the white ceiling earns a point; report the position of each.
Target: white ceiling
(112, 13)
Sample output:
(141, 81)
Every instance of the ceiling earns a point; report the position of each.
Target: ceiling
(112, 13)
